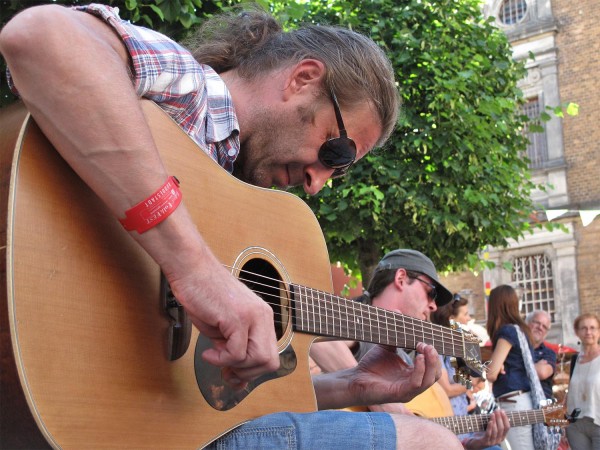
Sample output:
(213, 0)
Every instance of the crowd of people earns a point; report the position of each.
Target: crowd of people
(278, 109)
(521, 369)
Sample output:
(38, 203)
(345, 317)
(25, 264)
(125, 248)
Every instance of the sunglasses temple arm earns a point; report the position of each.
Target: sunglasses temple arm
(338, 115)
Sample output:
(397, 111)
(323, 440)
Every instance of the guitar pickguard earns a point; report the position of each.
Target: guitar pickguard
(218, 393)
(257, 272)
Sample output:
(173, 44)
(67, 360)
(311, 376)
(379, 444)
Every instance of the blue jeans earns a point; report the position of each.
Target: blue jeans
(320, 430)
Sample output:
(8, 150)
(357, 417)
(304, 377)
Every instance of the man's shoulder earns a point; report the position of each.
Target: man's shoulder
(549, 354)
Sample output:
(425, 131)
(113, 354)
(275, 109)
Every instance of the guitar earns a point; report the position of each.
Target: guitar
(95, 351)
(433, 402)
(551, 416)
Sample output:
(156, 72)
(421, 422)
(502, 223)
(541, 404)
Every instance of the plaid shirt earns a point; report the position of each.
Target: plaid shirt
(191, 93)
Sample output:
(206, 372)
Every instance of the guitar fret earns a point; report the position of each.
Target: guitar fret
(299, 306)
(339, 301)
(319, 311)
(412, 334)
(306, 316)
(378, 328)
(444, 345)
(387, 328)
(366, 314)
(326, 304)
(320, 315)
(370, 319)
(359, 320)
(309, 313)
(403, 331)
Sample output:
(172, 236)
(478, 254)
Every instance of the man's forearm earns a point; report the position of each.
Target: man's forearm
(332, 390)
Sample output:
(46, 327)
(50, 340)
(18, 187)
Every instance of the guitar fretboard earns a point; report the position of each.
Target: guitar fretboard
(468, 424)
(321, 313)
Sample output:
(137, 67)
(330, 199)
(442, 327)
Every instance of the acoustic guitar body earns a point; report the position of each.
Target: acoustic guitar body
(431, 403)
(84, 335)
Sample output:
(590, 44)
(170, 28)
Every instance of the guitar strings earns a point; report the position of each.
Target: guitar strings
(324, 301)
(448, 336)
(516, 418)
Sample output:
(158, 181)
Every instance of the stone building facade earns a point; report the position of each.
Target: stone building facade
(557, 270)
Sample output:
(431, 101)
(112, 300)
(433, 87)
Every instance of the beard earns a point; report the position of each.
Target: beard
(275, 141)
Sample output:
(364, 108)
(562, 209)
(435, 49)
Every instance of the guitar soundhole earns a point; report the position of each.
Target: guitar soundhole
(263, 279)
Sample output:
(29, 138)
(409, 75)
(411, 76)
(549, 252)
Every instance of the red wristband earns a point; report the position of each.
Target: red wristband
(153, 210)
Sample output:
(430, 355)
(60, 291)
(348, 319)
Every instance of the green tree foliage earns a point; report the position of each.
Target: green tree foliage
(453, 177)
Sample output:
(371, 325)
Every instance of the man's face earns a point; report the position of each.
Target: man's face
(411, 300)
(283, 146)
(539, 325)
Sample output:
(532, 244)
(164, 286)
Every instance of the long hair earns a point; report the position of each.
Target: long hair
(503, 309)
(254, 43)
(441, 316)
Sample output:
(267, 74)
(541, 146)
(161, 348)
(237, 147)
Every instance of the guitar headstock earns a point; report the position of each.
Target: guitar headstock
(470, 364)
(555, 415)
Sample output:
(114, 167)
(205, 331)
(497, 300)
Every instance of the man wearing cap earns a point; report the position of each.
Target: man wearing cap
(404, 281)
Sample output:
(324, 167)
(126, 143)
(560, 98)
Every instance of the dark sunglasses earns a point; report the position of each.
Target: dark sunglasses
(432, 293)
(338, 153)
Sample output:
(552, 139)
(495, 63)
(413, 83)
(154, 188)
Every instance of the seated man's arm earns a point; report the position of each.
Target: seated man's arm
(333, 355)
(380, 377)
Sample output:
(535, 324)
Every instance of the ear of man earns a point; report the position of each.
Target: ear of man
(400, 279)
(304, 78)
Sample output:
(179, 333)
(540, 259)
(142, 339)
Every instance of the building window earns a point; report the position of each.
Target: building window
(537, 149)
(533, 276)
(512, 11)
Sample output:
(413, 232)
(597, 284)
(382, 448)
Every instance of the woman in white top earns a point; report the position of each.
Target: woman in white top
(584, 386)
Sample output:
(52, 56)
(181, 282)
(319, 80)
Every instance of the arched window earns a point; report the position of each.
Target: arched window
(512, 11)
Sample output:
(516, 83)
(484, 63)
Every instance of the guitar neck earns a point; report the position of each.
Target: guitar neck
(478, 422)
(320, 313)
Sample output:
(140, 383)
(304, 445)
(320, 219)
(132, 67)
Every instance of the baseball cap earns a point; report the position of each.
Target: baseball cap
(415, 261)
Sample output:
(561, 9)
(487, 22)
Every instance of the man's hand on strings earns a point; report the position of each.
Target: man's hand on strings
(237, 321)
(383, 377)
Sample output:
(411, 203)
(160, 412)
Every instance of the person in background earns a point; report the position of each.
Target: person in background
(405, 281)
(544, 358)
(461, 398)
(267, 105)
(460, 315)
(463, 318)
(507, 370)
(584, 386)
